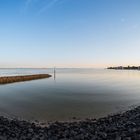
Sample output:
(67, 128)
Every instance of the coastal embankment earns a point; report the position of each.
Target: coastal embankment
(13, 79)
(123, 126)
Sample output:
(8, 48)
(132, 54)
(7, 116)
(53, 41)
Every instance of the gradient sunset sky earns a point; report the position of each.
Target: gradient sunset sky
(69, 33)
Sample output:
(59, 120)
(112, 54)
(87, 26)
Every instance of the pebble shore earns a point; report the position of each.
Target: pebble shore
(123, 126)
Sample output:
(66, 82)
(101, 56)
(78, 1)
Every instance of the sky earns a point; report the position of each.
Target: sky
(69, 33)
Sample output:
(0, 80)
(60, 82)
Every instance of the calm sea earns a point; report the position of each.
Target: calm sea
(72, 93)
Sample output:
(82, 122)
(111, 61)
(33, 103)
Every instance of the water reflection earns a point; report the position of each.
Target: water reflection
(77, 92)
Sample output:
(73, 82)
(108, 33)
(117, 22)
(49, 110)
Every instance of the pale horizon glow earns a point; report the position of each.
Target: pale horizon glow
(69, 33)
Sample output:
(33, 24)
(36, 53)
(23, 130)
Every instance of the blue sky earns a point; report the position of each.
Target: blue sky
(69, 33)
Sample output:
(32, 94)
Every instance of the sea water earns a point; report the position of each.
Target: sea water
(80, 93)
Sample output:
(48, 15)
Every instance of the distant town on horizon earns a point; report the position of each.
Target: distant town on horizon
(125, 68)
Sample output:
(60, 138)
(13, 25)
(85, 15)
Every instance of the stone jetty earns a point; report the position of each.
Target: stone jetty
(12, 79)
(124, 126)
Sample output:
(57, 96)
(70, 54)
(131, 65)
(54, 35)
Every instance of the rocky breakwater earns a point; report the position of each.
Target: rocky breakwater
(12, 79)
(125, 126)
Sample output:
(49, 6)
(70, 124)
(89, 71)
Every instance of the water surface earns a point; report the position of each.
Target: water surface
(77, 93)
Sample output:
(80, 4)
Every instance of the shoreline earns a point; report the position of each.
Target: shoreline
(120, 126)
(125, 68)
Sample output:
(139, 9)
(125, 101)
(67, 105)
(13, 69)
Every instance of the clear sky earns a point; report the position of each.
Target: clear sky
(69, 33)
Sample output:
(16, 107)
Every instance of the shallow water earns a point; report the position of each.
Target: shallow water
(77, 93)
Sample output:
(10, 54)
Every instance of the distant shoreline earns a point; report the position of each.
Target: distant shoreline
(125, 68)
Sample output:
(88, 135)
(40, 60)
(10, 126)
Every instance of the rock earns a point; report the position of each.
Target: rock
(118, 138)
